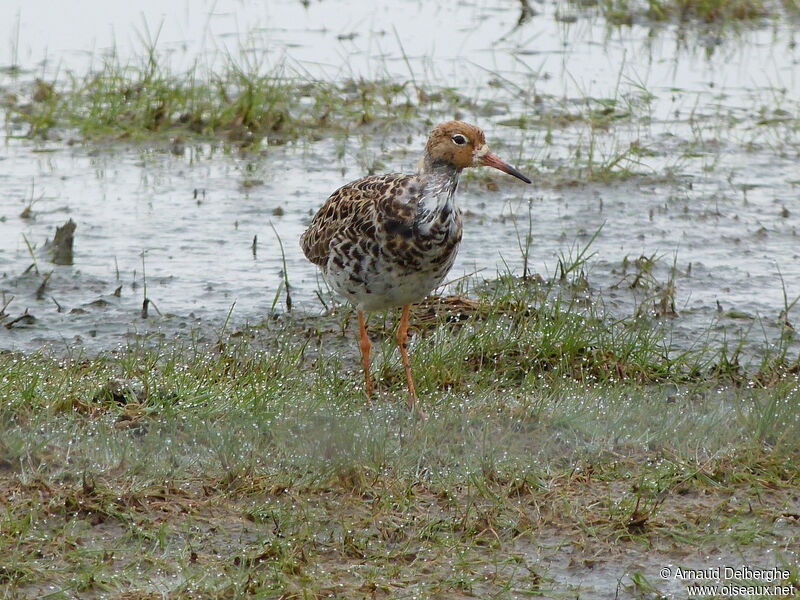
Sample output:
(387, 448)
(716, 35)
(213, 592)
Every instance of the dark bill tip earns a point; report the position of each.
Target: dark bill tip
(492, 160)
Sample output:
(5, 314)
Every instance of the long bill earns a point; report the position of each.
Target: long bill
(492, 160)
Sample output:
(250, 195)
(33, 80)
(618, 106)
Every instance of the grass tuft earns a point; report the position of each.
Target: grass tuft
(142, 471)
(242, 101)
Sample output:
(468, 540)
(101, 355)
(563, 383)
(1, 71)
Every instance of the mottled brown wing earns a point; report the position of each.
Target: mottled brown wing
(354, 207)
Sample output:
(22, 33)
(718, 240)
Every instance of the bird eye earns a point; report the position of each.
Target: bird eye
(459, 139)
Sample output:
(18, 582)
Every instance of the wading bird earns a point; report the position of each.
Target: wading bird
(386, 241)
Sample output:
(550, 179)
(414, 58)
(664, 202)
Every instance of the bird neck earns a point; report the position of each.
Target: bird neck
(427, 165)
(440, 184)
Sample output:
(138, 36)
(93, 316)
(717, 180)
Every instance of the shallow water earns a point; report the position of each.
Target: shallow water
(183, 225)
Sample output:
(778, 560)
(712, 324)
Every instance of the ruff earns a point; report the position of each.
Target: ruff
(388, 240)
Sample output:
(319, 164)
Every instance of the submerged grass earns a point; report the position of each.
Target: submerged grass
(243, 101)
(140, 473)
(717, 12)
(246, 102)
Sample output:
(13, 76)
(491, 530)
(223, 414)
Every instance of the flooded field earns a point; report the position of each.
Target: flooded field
(589, 425)
(679, 149)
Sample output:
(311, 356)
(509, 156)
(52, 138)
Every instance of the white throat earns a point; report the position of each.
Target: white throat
(437, 205)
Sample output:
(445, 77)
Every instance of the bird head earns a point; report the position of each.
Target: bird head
(463, 145)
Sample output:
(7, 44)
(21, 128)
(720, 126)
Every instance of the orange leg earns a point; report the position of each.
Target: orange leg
(365, 345)
(402, 337)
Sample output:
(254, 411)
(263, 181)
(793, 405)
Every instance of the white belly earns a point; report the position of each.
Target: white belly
(379, 285)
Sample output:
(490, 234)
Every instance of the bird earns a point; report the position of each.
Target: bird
(387, 241)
